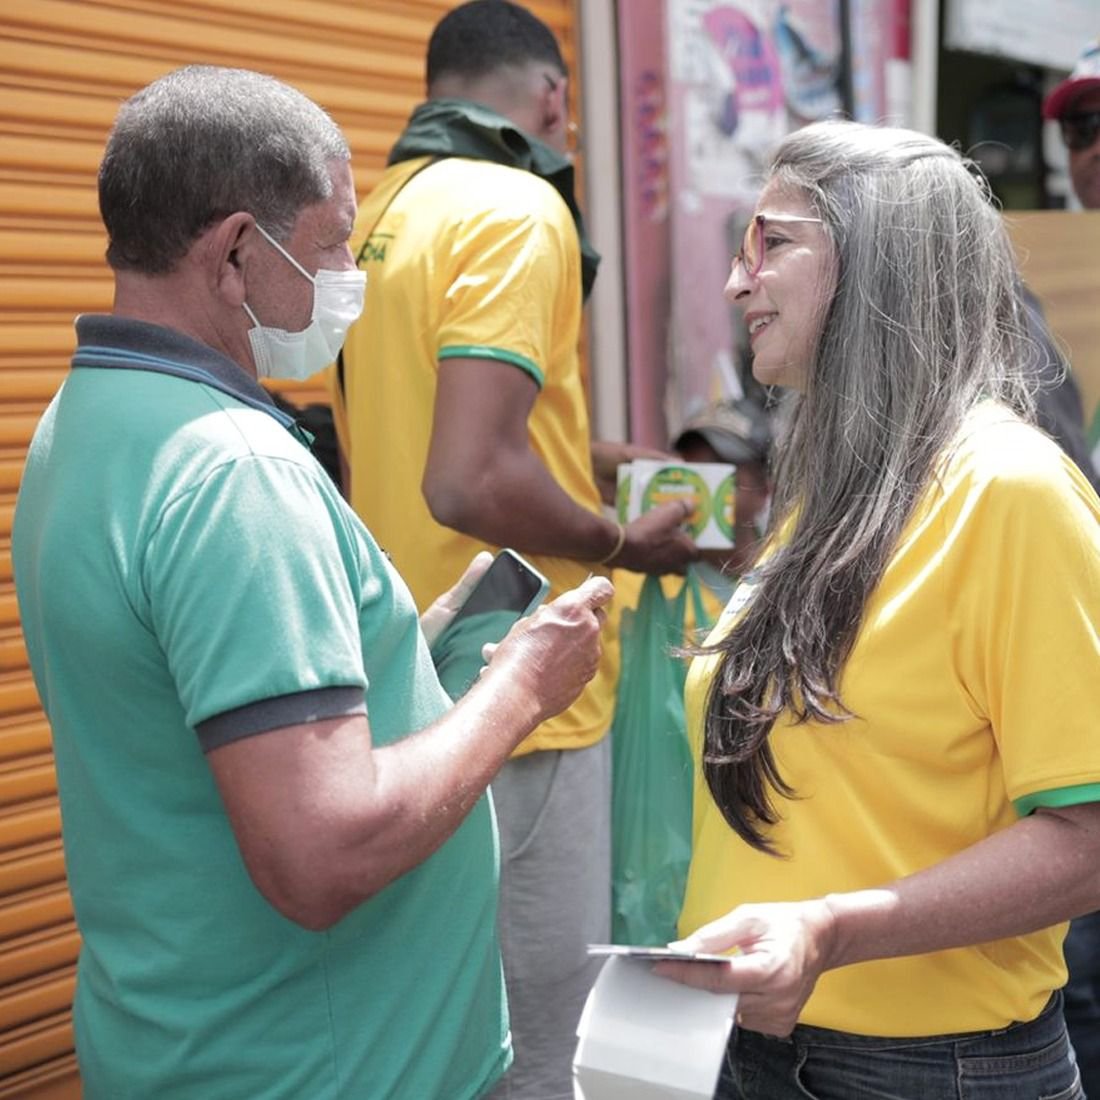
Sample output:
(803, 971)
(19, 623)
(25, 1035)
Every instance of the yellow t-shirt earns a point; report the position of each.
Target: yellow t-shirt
(470, 260)
(976, 681)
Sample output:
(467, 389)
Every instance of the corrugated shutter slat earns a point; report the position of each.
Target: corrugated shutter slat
(64, 67)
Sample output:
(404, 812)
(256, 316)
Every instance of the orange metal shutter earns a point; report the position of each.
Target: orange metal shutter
(64, 68)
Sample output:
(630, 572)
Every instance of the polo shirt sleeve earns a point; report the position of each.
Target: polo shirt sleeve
(249, 583)
(508, 273)
(1032, 664)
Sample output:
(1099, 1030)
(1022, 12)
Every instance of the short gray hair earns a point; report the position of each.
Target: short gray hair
(200, 144)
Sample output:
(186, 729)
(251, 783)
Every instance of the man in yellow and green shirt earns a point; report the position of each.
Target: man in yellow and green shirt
(463, 409)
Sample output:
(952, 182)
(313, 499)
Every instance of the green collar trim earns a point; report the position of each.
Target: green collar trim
(460, 128)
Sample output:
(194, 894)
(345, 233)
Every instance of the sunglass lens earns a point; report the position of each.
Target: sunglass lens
(1080, 131)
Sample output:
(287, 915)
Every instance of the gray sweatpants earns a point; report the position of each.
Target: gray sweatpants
(554, 814)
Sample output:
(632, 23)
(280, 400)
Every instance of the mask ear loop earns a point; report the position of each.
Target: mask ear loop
(275, 244)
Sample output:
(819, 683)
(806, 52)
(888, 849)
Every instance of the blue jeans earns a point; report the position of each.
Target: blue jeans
(1083, 998)
(1031, 1061)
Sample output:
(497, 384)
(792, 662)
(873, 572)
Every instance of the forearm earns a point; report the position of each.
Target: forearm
(1041, 870)
(491, 484)
(422, 789)
(1038, 872)
(516, 502)
(324, 821)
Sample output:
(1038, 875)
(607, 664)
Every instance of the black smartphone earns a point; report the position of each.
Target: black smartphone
(509, 589)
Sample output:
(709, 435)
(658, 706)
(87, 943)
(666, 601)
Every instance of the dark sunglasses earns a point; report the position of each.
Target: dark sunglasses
(754, 246)
(1079, 131)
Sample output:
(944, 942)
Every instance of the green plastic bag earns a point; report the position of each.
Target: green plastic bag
(652, 777)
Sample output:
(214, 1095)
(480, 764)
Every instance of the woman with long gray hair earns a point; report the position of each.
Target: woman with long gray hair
(899, 800)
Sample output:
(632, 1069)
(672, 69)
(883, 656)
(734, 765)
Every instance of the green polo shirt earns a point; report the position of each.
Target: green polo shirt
(188, 575)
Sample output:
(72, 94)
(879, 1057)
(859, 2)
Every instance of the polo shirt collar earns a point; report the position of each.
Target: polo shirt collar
(121, 343)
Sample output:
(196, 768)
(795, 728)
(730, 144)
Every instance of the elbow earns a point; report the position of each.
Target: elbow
(312, 914)
(456, 504)
(311, 900)
(314, 910)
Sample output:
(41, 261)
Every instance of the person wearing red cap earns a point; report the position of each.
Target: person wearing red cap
(1075, 104)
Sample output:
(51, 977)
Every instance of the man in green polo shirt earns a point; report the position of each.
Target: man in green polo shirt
(277, 896)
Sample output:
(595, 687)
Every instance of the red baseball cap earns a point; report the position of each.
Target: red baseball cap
(1085, 77)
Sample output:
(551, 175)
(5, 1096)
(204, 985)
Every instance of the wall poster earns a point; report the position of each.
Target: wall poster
(708, 89)
(742, 73)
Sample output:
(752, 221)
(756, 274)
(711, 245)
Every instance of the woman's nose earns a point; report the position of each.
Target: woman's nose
(738, 284)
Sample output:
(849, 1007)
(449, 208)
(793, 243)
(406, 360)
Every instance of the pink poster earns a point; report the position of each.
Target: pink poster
(708, 89)
(645, 215)
(879, 32)
(742, 74)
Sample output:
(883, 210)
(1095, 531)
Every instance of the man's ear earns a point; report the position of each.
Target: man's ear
(554, 109)
(227, 246)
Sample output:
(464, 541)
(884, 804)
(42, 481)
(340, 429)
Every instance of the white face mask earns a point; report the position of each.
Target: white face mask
(337, 303)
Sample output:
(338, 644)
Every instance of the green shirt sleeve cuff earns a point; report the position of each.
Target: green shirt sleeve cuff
(1061, 796)
(479, 351)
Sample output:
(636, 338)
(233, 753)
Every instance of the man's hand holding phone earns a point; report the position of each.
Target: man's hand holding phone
(478, 611)
(553, 653)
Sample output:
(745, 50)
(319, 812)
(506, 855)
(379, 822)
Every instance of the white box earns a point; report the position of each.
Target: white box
(642, 1037)
(709, 485)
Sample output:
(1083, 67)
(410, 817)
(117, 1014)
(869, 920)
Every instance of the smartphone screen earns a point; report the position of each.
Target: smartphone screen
(509, 589)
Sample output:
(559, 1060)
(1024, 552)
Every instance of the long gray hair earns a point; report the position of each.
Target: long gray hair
(924, 323)
(202, 143)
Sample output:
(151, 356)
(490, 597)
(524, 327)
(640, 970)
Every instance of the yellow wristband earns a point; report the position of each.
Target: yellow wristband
(616, 548)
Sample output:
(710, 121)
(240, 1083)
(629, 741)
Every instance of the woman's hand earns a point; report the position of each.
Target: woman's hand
(783, 947)
(1037, 872)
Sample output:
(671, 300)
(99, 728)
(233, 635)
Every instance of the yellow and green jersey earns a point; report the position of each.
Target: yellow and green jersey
(466, 259)
(975, 688)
